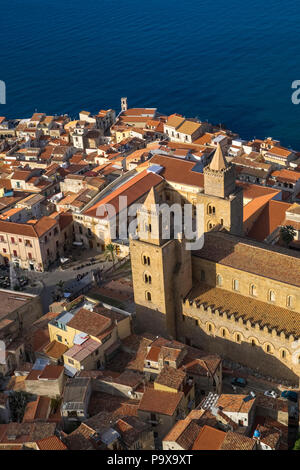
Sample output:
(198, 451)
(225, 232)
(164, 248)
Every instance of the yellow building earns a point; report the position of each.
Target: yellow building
(88, 337)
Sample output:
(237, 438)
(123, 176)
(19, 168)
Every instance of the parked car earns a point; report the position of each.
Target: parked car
(290, 395)
(239, 382)
(271, 394)
(249, 397)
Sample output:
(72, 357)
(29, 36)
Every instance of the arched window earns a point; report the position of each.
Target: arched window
(148, 296)
(269, 349)
(211, 209)
(238, 338)
(235, 284)
(147, 278)
(253, 290)
(272, 296)
(209, 327)
(219, 280)
(146, 260)
(253, 342)
(223, 332)
(283, 354)
(290, 301)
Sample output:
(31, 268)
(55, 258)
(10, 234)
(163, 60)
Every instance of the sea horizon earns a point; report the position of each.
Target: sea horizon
(195, 59)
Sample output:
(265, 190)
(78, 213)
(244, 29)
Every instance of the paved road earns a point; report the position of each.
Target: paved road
(47, 281)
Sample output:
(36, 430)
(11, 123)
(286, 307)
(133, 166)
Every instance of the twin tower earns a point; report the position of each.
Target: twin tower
(162, 268)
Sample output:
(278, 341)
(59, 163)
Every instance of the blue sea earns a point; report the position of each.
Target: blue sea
(225, 61)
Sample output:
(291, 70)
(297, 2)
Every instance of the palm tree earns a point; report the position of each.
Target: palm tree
(110, 252)
(287, 234)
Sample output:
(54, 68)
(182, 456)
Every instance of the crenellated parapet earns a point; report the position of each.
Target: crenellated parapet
(194, 309)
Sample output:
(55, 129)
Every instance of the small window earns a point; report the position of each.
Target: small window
(219, 280)
(59, 338)
(290, 301)
(202, 275)
(146, 260)
(272, 296)
(238, 338)
(148, 296)
(283, 354)
(236, 285)
(223, 332)
(253, 290)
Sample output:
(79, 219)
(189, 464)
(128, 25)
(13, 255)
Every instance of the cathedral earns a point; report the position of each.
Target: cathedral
(234, 296)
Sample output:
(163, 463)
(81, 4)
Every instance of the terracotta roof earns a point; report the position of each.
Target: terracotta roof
(252, 191)
(133, 189)
(252, 257)
(39, 228)
(153, 354)
(236, 441)
(37, 410)
(81, 351)
(286, 175)
(55, 349)
(178, 171)
(12, 301)
(184, 433)
(280, 151)
(209, 439)
(234, 403)
(130, 429)
(255, 207)
(248, 308)
(51, 372)
(160, 402)
(270, 218)
(269, 436)
(175, 120)
(25, 432)
(170, 377)
(89, 322)
(188, 127)
(51, 443)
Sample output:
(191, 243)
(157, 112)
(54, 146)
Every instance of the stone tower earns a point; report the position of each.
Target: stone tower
(161, 272)
(124, 105)
(222, 199)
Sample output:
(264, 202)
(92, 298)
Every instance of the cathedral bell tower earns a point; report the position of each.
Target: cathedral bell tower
(161, 272)
(222, 199)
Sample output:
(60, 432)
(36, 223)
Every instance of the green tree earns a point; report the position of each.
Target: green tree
(287, 234)
(297, 444)
(110, 252)
(17, 403)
